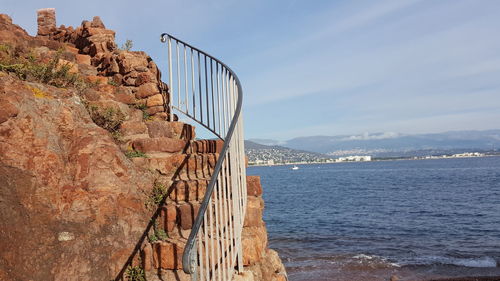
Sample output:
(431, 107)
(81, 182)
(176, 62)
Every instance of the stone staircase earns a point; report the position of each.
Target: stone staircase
(183, 166)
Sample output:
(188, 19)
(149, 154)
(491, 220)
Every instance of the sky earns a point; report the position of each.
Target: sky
(325, 67)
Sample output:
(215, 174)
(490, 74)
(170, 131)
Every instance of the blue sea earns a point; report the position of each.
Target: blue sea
(416, 219)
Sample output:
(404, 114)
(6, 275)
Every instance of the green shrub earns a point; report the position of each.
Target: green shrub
(27, 67)
(156, 196)
(127, 46)
(108, 118)
(135, 153)
(135, 273)
(158, 234)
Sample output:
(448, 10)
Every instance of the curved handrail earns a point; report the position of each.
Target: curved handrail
(189, 259)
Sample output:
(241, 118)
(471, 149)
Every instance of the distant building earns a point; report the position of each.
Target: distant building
(355, 158)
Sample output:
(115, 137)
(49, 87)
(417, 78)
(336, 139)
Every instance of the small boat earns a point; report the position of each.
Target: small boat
(295, 167)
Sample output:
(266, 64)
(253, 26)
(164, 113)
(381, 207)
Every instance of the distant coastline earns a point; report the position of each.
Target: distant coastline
(375, 159)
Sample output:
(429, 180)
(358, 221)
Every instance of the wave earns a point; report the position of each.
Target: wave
(465, 262)
(362, 262)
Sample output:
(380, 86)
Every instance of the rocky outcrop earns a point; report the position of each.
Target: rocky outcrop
(95, 183)
(71, 203)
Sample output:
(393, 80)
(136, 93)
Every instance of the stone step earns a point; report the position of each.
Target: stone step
(159, 144)
(184, 166)
(175, 130)
(205, 146)
(188, 190)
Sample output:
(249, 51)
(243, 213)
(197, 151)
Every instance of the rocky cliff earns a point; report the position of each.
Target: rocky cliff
(95, 182)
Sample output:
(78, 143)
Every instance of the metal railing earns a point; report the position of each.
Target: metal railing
(209, 92)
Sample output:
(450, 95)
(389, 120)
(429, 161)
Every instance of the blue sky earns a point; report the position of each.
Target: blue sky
(326, 67)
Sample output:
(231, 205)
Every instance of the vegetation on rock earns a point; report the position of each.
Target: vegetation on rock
(157, 195)
(135, 153)
(135, 273)
(107, 118)
(28, 66)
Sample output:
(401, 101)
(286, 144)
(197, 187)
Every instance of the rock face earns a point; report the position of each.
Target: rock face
(68, 193)
(80, 168)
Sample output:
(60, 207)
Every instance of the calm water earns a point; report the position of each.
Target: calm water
(367, 221)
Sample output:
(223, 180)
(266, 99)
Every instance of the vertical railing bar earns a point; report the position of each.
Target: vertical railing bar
(207, 257)
(192, 85)
(221, 220)
(212, 246)
(178, 77)
(225, 197)
(200, 253)
(224, 218)
(199, 88)
(229, 110)
(241, 210)
(223, 94)
(206, 92)
(218, 100)
(217, 225)
(170, 78)
(212, 91)
(186, 81)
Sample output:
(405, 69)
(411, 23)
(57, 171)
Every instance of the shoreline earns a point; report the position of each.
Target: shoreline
(373, 160)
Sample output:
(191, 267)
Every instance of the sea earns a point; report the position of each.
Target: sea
(415, 219)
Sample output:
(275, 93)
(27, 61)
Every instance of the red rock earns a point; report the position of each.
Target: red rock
(82, 59)
(7, 110)
(46, 21)
(168, 166)
(187, 214)
(254, 188)
(97, 22)
(127, 61)
(147, 90)
(125, 98)
(155, 109)
(193, 190)
(159, 145)
(156, 100)
(253, 216)
(143, 78)
(170, 215)
(128, 128)
(73, 50)
(83, 184)
(171, 130)
(167, 255)
(97, 79)
(254, 243)
(146, 257)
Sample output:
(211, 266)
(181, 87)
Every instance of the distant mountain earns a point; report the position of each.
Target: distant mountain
(259, 153)
(395, 144)
(267, 141)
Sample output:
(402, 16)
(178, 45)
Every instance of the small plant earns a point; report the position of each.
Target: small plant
(113, 83)
(161, 234)
(135, 154)
(107, 118)
(135, 273)
(117, 136)
(145, 116)
(127, 46)
(26, 66)
(156, 196)
(158, 234)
